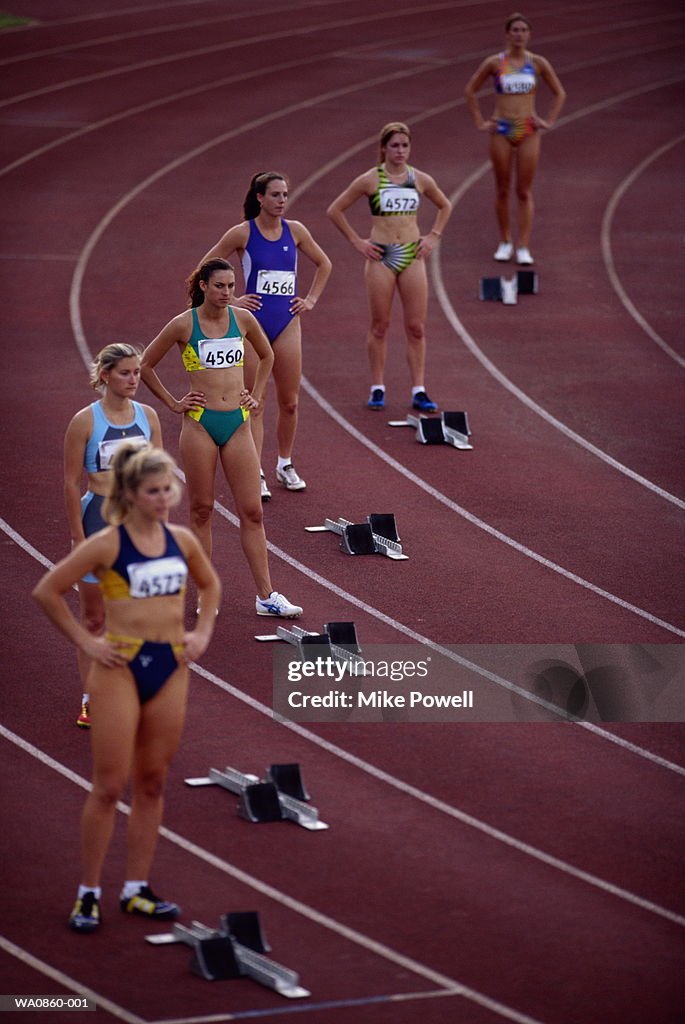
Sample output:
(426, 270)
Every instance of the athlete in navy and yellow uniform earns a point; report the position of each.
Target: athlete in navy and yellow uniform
(134, 575)
(212, 337)
(268, 246)
(514, 128)
(91, 440)
(395, 254)
(138, 675)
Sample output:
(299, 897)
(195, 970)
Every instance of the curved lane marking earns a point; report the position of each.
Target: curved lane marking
(607, 252)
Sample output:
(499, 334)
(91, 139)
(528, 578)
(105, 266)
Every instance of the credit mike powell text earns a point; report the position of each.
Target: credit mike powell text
(481, 683)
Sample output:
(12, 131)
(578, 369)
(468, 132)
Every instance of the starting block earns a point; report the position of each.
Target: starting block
(452, 428)
(235, 950)
(377, 536)
(500, 289)
(338, 639)
(279, 796)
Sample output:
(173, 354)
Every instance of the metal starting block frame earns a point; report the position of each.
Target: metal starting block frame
(338, 639)
(234, 950)
(377, 536)
(501, 289)
(279, 796)
(452, 428)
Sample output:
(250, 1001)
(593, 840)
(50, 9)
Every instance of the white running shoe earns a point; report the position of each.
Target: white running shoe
(504, 252)
(524, 258)
(264, 487)
(276, 604)
(289, 478)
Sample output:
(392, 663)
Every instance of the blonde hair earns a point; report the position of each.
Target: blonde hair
(387, 132)
(131, 464)
(108, 358)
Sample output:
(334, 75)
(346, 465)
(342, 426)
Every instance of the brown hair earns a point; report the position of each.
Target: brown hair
(516, 17)
(130, 465)
(203, 273)
(387, 132)
(258, 186)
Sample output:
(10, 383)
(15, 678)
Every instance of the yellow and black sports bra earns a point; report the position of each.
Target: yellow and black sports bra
(390, 200)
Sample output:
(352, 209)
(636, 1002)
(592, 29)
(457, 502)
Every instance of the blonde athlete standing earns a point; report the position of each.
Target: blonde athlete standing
(211, 338)
(138, 677)
(395, 254)
(514, 128)
(90, 442)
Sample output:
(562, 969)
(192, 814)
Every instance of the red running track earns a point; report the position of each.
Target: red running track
(472, 872)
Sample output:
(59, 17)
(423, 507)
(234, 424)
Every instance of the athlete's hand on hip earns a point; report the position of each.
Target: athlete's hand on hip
(104, 651)
(426, 245)
(192, 401)
(368, 249)
(298, 305)
(251, 302)
(248, 402)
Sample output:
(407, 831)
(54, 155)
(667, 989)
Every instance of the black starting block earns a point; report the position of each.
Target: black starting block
(377, 536)
(235, 950)
(338, 640)
(501, 289)
(451, 428)
(267, 799)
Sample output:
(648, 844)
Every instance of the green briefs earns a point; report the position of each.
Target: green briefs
(220, 424)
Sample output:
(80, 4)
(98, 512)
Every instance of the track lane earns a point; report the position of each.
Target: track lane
(246, 625)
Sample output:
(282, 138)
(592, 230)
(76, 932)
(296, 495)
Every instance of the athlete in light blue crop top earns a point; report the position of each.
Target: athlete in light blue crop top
(91, 439)
(97, 456)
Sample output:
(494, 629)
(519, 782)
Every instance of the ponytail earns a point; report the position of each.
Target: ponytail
(131, 464)
(258, 186)
(203, 273)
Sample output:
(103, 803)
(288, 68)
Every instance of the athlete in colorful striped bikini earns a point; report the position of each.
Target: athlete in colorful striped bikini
(514, 129)
(395, 254)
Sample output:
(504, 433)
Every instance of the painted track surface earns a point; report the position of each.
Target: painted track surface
(476, 872)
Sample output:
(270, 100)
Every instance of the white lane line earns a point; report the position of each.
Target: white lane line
(156, 30)
(445, 808)
(237, 43)
(473, 347)
(67, 982)
(406, 631)
(493, 833)
(81, 341)
(297, 906)
(607, 251)
(481, 524)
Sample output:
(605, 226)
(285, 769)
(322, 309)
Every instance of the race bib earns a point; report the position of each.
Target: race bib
(219, 353)
(106, 449)
(399, 200)
(518, 82)
(276, 282)
(160, 577)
